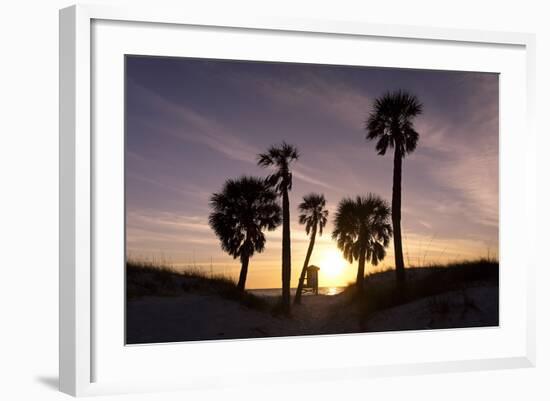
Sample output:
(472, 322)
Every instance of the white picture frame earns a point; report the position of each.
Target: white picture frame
(79, 346)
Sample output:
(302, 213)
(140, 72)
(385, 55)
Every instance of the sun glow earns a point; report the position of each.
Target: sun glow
(332, 263)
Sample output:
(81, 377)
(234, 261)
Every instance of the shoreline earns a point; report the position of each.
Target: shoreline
(274, 292)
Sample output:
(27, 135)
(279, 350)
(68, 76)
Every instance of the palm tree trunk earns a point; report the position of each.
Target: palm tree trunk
(298, 296)
(396, 216)
(361, 269)
(286, 253)
(244, 272)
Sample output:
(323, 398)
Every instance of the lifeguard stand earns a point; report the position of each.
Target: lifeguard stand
(312, 279)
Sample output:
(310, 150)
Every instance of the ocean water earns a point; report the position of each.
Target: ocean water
(274, 292)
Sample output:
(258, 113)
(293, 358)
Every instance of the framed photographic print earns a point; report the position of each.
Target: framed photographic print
(261, 190)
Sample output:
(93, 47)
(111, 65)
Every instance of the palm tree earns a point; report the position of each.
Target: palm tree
(362, 231)
(390, 123)
(314, 215)
(240, 212)
(280, 157)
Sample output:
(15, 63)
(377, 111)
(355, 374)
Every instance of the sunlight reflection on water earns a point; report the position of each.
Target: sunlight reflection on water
(333, 291)
(273, 292)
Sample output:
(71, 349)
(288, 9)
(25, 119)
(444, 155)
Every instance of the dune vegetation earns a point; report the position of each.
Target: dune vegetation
(145, 278)
(381, 292)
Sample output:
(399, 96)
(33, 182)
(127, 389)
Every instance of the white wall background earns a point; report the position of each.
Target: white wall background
(29, 196)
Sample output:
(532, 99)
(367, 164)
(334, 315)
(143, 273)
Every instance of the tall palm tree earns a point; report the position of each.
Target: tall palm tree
(280, 157)
(240, 212)
(362, 231)
(314, 215)
(391, 124)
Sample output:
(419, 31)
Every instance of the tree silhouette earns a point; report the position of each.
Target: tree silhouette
(390, 123)
(280, 157)
(241, 211)
(362, 231)
(314, 215)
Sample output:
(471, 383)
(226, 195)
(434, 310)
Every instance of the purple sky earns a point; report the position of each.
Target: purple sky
(191, 124)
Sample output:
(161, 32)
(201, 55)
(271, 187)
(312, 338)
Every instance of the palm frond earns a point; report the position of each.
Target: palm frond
(279, 156)
(362, 223)
(241, 212)
(313, 212)
(390, 122)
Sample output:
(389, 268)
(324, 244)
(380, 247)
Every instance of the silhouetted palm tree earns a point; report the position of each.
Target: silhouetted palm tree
(390, 123)
(314, 215)
(281, 157)
(241, 211)
(362, 231)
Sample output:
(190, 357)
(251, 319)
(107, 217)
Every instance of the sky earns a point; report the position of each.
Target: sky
(193, 123)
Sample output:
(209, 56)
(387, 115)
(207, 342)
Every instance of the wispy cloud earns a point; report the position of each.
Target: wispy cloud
(187, 190)
(467, 160)
(166, 218)
(191, 126)
(340, 101)
(475, 179)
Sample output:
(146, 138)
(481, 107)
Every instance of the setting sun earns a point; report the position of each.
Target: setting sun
(332, 263)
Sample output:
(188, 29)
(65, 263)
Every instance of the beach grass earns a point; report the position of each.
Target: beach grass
(146, 278)
(382, 291)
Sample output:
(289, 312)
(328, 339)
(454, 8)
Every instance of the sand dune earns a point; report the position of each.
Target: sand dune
(199, 317)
